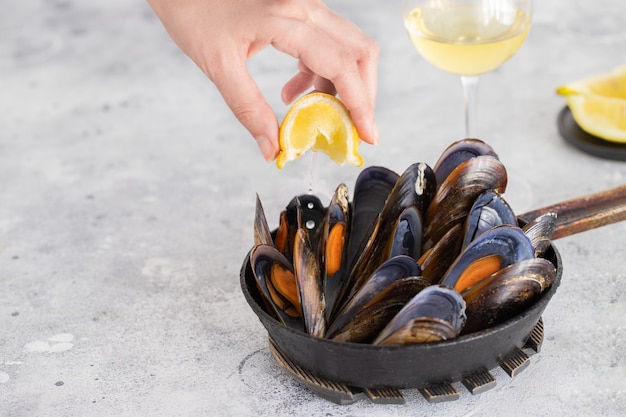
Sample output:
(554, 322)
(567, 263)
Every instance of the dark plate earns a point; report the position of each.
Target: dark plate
(574, 135)
(414, 366)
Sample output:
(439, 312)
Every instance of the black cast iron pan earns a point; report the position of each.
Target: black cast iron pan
(421, 365)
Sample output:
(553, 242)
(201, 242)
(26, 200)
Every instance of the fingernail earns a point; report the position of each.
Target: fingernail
(267, 150)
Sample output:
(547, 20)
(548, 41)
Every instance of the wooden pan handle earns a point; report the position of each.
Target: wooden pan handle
(585, 213)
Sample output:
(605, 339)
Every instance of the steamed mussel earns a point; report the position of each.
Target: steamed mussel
(421, 256)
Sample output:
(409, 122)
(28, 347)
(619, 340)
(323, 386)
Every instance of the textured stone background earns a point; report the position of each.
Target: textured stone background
(127, 193)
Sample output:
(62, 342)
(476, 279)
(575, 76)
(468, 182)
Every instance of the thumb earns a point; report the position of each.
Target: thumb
(247, 103)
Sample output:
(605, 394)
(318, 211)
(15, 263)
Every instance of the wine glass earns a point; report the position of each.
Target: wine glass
(467, 38)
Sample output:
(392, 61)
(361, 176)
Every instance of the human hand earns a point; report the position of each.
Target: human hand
(334, 55)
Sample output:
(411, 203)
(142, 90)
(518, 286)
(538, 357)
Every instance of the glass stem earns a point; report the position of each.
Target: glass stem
(470, 89)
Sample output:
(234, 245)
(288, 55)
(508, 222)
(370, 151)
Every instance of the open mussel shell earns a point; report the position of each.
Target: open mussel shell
(540, 231)
(506, 292)
(409, 366)
(369, 318)
(274, 278)
(493, 250)
(262, 232)
(436, 261)
(488, 211)
(459, 152)
(304, 210)
(414, 188)
(436, 313)
(309, 279)
(371, 191)
(389, 288)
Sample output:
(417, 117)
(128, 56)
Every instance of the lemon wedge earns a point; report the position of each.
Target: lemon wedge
(598, 104)
(320, 122)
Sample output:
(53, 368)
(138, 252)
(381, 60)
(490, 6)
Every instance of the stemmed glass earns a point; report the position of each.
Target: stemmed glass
(467, 38)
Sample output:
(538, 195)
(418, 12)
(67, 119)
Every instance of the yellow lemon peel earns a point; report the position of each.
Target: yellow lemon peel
(320, 122)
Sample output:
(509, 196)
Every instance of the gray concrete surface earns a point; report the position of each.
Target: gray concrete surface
(127, 192)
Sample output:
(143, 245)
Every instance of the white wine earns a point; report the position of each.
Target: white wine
(464, 40)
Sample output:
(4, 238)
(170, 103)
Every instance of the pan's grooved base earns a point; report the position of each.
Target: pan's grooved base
(479, 382)
(385, 396)
(330, 390)
(476, 383)
(440, 393)
(515, 363)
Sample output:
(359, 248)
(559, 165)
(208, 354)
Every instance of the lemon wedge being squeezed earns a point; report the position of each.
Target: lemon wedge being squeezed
(598, 104)
(320, 122)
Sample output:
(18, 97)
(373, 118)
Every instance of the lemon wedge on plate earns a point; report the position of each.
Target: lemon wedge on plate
(598, 104)
(320, 122)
